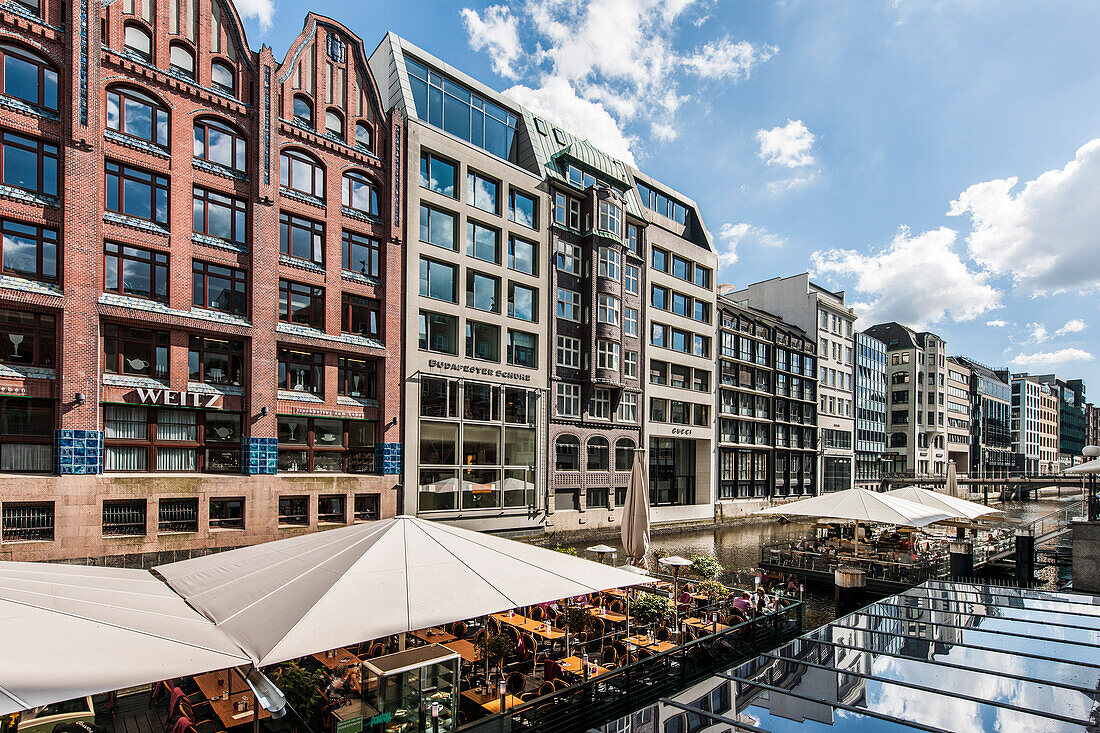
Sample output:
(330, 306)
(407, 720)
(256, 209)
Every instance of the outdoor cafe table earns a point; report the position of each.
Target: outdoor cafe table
(465, 649)
(641, 640)
(615, 618)
(705, 625)
(538, 628)
(575, 665)
(491, 701)
(433, 635)
(342, 656)
(223, 708)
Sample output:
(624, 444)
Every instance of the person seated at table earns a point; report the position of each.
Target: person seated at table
(742, 603)
(760, 600)
(341, 682)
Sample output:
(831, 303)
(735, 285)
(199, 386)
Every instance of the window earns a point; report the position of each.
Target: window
(567, 211)
(218, 143)
(334, 124)
(609, 263)
(630, 364)
(135, 351)
(702, 278)
(659, 335)
(302, 238)
(135, 271)
(681, 268)
(360, 194)
(610, 217)
(123, 517)
(136, 192)
(569, 352)
(177, 515)
(332, 509)
(569, 305)
(522, 209)
(363, 136)
(569, 258)
(222, 77)
(438, 227)
(522, 349)
(227, 513)
(26, 427)
(702, 312)
(301, 303)
(360, 316)
(632, 242)
(27, 338)
(681, 304)
(630, 279)
(215, 361)
(482, 242)
(630, 321)
(219, 288)
(138, 43)
(303, 111)
(482, 292)
(482, 341)
(28, 164)
(366, 507)
(659, 297)
(181, 60)
(607, 310)
(294, 511)
(567, 450)
(701, 346)
(660, 260)
(138, 115)
(522, 302)
(302, 172)
(301, 371)
(598, 454)
(357, 377)
(523, 255)
(438, 333)
(483, 193)
(438, 175)
(658, 409)
(27, 522)
(627, 412)
(607, 354)
(599, 407)
(361, 254)
(218, 215)
(569, 400)
(28, 77)
(438, 280)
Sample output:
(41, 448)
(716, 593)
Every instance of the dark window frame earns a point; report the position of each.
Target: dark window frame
(160, 122)
(350, 242)
(201, 445)
(347, 367)
(158, 187)
(288, 223)
(121, 336)
(202, 146)
(44, 151)
(155, 260)
(349, 303)
(350, 180)
(47, 76)
(42, 345)
(19, 513)
(314, 363)
(238, 209)
(201, 273)
(316, 309)
(316, 187)
(358, 459)
(233, 351)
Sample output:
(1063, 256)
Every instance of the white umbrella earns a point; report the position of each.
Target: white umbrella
(861, 505)
(71, 630)
(960, 508)
(634, 529)
(1092, 466)
(301, 595)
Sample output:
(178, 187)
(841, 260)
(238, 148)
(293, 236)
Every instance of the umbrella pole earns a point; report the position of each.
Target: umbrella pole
(629, 593)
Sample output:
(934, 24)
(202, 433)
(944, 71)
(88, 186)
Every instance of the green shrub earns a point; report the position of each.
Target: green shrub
(567, 550)
(650, 608)
(706, 566)
(577, 619)
(713, 590)
(302, 688)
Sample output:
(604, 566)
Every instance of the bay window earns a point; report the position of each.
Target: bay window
(607, 310)
(609, 263)
(610, 217)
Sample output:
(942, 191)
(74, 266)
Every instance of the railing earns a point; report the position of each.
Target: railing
(1056, 520)
(618, 693)
(781, 554)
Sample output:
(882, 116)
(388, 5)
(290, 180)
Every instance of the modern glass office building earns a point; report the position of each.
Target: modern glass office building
(870, 406)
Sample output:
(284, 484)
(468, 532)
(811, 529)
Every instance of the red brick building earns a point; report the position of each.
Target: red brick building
(200, 303)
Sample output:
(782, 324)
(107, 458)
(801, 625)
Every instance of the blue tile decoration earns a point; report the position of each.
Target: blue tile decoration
(387, 456)
(261, 456)
(78, 452)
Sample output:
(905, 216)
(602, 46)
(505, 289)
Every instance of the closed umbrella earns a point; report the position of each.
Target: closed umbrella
(635, 522)
(951, 483)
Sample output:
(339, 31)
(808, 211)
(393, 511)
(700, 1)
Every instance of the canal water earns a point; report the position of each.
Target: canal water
(738, 548)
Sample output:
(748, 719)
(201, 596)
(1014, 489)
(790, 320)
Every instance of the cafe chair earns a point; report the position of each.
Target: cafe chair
(560, 684)
(538, 613)
(515, 683)
(479, 637)
(618, 607)
(551, 670)
(608, 656)
(458, 629)
(546, 688)
(661, 634)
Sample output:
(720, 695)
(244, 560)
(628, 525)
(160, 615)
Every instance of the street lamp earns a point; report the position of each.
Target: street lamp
(1092, 506)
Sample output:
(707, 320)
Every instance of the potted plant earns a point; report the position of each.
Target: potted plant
(706, 566)
(651, 608)
(302, 688)
(494, 650)
(713, 590)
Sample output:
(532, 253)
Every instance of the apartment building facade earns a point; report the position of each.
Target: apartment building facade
(1025, 422)
(1092, 424)
(767, 400)
(917, 375)
(991, 452)
(870, 392)
(176, 382)
(959, 418)
(825, 318)
(1071, 417)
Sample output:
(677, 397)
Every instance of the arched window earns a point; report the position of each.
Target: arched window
(302, 172)
(181, 60)
(598, 455)
(364, 138)
(568, 453)
(334, 124)
(899, 440)
(138, 42)
(219, 143)
(303, 111)
(360, 193)
(624, 454)
(221, 77)
(28, 76)
(137, 114)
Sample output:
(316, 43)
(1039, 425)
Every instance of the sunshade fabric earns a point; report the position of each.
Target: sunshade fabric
(934, 500)
(1092, 466)
(73, 630)
(951, 482)
(634, 529)
(863, 506)
(297, 596)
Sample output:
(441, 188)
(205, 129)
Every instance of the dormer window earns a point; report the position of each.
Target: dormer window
(579, 178)
(138, 42)
(181, 60)
(222, 77)
(303, 111)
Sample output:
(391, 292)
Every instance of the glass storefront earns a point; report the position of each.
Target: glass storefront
(671, 471)
(325, 445)
(478, 446)
(140, 438)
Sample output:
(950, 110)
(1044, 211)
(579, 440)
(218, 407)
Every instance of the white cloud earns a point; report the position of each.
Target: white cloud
(1047, 234)
(734, 235)
(1075, 325)
(1046, 359)
(728, 59)
(790, 145)
(792, 183)
(495, 32)
(1036, 333)
(996, 324)
(262, 10)
(916, 280)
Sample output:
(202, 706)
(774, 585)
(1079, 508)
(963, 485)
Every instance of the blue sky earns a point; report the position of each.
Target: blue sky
(938, 160)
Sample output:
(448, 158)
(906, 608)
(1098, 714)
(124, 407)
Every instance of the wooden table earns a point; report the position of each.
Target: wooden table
(538, 628)
(208, 685)
(465, 649)
(491, 702)
(433, 636)
(603, 613)
(708, 626)
(575, 665)
(342, 656)
(654, 646)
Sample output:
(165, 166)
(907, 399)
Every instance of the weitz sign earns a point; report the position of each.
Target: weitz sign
(176, 398)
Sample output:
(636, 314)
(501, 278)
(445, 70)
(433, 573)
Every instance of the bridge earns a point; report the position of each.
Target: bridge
(1005, 488)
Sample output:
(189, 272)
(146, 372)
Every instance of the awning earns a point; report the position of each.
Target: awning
(67, 631)
(937, 501)
(862, 506)
(1092, 466)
